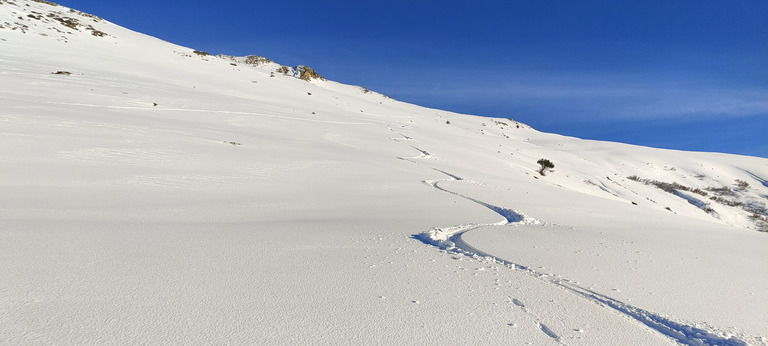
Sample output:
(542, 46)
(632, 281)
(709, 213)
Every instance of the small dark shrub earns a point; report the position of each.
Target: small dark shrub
(546, 165)
(722, 191)
(742, 185)
(699, 191)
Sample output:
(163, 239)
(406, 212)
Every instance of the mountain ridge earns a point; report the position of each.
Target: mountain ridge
(71, 19)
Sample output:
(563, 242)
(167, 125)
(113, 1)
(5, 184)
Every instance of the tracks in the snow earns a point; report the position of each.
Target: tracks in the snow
(449, 239)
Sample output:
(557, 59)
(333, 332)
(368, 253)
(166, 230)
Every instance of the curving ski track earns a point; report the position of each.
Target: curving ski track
(449, 239)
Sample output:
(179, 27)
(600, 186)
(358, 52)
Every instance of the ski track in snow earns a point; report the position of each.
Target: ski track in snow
(449, 239)
(544, 328)
(423, 154)
(548, 331)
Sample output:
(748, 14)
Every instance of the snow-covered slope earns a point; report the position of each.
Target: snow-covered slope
(150, 193)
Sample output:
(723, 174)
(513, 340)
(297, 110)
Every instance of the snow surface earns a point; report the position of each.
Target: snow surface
(155, 195)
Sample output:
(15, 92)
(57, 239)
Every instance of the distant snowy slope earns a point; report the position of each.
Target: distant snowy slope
(153, 193)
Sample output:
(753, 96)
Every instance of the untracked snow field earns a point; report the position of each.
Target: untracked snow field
(151, 194)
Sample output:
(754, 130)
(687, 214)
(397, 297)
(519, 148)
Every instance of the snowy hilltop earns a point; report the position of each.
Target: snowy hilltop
(153, 193)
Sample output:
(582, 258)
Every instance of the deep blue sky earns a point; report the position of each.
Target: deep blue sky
(689, 75)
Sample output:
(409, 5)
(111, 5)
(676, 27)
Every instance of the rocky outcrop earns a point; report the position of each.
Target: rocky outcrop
(255, 60)
(38, 19)
(306, 73)
(302, 72)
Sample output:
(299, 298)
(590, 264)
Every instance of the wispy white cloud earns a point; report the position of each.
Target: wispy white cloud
(593, 97)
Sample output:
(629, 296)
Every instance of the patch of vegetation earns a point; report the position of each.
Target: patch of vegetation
(71, 23)
(668, 187)
(546, 165)
(760, 221)
(517, 124)
(758, 211)
(742, 185)
(722, 191)
(256, 60)
(97, 33)
(728, 202)
(20, 26)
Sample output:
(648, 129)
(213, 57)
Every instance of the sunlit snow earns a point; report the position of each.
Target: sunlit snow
(151, 194)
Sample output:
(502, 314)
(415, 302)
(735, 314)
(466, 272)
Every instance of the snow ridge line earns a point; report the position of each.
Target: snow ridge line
(449, 239)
